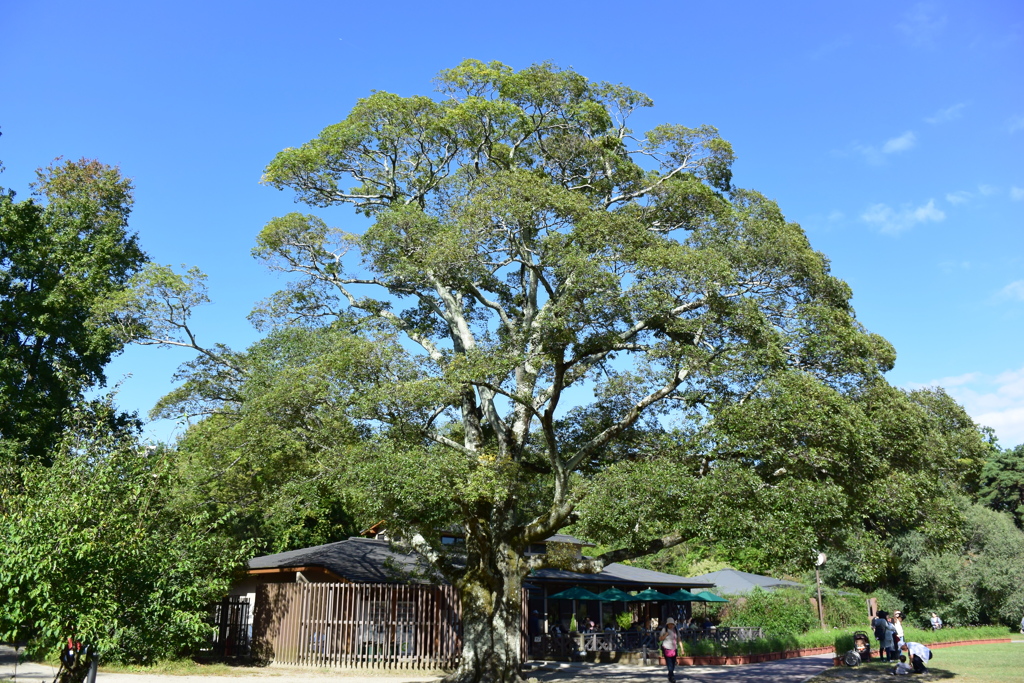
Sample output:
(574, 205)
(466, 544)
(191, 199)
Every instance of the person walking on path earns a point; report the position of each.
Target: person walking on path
(668, 638)
(936, 622)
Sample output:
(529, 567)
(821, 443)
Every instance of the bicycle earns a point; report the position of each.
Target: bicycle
(78, 663)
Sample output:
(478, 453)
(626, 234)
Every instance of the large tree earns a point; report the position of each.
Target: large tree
(579, 305)
(538, 252)
(59, 257)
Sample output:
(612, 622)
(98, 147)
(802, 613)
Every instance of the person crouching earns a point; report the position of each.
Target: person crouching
(918, 654)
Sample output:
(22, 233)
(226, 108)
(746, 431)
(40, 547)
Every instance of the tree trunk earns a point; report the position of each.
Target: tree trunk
(491, 594)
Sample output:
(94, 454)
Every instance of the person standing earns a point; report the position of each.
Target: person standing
(668, 638)
(533, 631)
(897, 623)
(887, 643)
(936, 622)
(879, 625)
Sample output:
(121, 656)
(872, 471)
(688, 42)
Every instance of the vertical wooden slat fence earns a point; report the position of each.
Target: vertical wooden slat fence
(379, 626)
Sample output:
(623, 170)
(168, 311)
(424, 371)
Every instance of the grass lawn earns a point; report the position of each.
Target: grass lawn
(179, 667)
(994, 663)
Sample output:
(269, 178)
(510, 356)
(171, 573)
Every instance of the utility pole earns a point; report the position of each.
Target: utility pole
(817, 579)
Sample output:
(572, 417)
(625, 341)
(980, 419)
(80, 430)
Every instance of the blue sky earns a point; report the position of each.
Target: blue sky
(893, 132)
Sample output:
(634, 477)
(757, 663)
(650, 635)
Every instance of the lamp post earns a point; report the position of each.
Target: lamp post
(817, 577)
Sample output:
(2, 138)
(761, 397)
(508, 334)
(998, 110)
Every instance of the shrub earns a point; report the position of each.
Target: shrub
(778, 612)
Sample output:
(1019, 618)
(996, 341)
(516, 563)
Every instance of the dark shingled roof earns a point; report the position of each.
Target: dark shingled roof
(736, 582)
(360, 560)
(368, 560)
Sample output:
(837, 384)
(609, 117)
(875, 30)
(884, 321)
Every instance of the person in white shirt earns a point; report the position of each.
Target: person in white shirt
(936, 622)
(918, 654)
(668, 638)
(897, 623)
(903, 668)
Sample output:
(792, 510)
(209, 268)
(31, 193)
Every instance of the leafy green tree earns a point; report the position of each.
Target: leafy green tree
(1002, 482)
(59, 257)
(90, 547)
(979, 582)
(856, 471)
(536, 251)
(269, 446)
(924, 459)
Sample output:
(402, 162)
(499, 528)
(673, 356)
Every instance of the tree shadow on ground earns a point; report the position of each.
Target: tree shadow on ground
(878, 671)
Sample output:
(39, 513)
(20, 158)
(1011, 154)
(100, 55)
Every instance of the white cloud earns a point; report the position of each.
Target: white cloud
(950, 113)
(959, 197)
(892, 221)
(900, 144)
(875, 155)
(1016, 123)
(921, 25)
(987, 190)
(1017, 193)
(1014, 290)
(993, 401)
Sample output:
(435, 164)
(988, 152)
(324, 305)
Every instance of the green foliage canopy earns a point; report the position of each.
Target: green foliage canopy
(91, 548)
(1002, 482)
(276, 432)
(979, 582)
(535, 253)
(59, 258)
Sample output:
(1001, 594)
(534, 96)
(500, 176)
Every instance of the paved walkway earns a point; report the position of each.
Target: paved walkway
(782, 671)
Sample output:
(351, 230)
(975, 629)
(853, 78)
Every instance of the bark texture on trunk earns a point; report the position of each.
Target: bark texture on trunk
(491, 593)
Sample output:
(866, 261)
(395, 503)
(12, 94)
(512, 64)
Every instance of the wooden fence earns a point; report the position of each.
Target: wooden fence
(380, 626)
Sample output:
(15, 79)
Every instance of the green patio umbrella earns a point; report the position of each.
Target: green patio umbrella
(708, 596)
(649, 595)
(575, 593)
(683, 595)
(615, 595)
